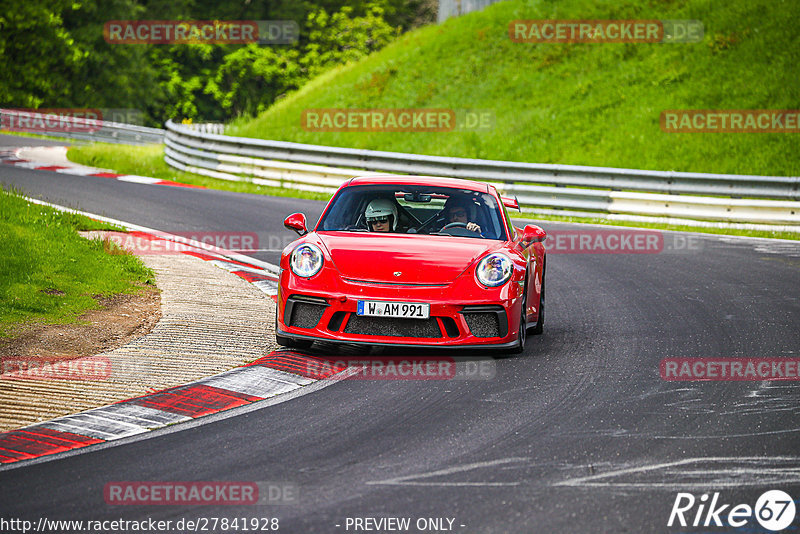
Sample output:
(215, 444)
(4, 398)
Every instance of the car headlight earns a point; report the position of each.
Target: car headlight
(494, 270)
(306, 260)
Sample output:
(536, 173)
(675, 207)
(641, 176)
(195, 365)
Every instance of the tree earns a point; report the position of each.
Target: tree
(252, 78)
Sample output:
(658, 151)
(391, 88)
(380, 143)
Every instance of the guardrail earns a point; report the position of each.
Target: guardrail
(78, 128)
(539, 187)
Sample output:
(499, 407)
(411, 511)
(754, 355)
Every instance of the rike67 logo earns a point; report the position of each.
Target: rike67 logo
(774, 510)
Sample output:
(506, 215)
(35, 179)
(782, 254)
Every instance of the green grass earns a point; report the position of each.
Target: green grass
(148, 160)
(48, 273)
(579, 104)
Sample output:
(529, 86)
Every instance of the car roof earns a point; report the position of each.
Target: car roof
(433, 181)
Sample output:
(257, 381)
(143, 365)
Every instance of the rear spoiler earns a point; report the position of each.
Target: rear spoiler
(511, 203)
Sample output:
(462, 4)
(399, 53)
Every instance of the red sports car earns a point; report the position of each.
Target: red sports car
(412, 261)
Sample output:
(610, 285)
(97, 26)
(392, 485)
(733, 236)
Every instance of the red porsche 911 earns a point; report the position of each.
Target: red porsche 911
(412, 262)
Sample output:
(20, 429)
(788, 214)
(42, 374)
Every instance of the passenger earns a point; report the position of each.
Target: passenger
(381, 215)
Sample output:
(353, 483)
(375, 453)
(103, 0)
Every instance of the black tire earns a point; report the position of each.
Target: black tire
(538, 328)
(293, 343)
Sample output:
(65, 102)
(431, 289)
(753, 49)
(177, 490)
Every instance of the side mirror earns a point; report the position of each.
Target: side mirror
(296, 222)
(532, 234)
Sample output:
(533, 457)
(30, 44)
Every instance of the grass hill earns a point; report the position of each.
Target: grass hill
(582, 104)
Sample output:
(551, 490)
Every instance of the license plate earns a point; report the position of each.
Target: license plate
(404, 310)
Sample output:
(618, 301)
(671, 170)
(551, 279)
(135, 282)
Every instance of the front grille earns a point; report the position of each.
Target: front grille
(304, 312)
(385, 326)
(486, 321)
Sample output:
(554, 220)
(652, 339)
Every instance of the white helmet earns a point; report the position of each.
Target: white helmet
(381, 207)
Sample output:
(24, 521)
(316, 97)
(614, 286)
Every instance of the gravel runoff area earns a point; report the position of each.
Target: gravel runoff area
(211, 321)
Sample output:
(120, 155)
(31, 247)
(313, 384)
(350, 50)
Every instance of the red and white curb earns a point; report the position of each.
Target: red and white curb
(12, 157)
(276, 374)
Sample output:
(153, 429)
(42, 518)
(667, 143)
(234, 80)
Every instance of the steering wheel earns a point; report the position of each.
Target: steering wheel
(455, 225)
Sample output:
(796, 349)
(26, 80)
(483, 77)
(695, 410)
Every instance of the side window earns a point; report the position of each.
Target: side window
(493, 224)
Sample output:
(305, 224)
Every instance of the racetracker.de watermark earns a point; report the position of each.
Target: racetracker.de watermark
(143, 244)
(200, 493)
(201, 31)
(405, 368)
(730, 369)
(42, 368)
(123, 115)
(620, 241)
(605, 31)
(396, 120)
(730, 121)
(44, 120)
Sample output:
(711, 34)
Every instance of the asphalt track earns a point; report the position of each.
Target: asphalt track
(579, 434)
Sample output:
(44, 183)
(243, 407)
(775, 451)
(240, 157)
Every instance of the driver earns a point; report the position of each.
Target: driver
(381, 215)
(456, 211)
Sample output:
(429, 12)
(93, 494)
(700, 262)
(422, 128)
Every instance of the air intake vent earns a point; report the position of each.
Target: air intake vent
(486, 321)
(303, 311)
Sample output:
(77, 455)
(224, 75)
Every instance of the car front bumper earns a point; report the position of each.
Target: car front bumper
(462, 313)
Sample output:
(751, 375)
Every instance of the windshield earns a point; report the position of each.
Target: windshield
(410, 209)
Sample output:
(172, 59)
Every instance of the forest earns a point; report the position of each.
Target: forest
(54, 54)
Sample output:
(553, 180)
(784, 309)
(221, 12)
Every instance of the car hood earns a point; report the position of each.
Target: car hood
(419, 259)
